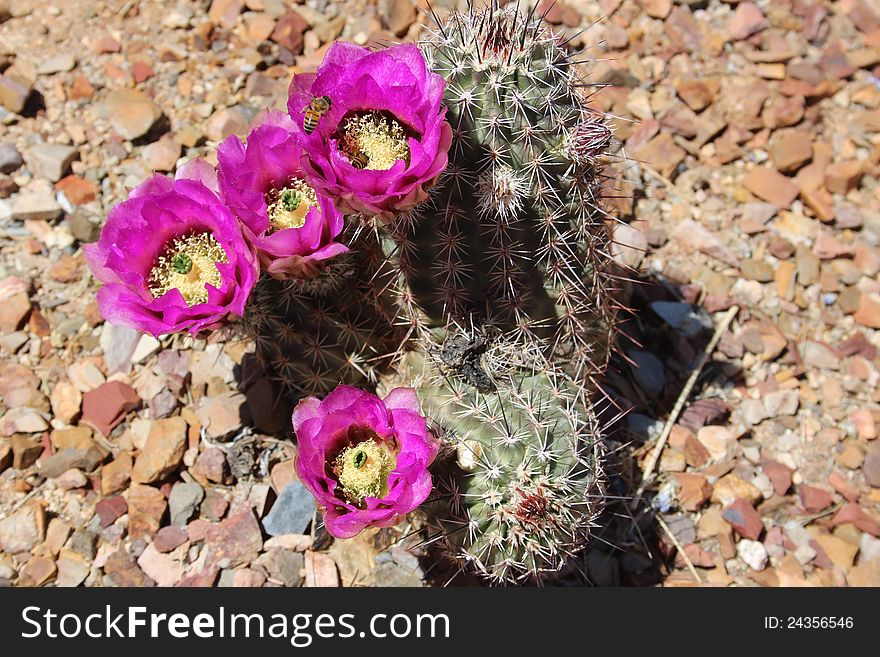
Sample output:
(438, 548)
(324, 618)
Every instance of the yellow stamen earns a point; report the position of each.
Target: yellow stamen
(363, 469)
(289, 206)
(381, 139)
(188, 264)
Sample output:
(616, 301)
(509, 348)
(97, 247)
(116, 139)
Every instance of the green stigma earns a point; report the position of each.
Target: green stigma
(363, 469)
(290, 200)
(181, 263)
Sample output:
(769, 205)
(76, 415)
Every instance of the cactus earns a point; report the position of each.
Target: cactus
(311, 335)
(519, 483)
(513, 237)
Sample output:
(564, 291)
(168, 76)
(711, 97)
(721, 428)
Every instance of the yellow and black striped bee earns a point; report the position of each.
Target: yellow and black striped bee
(317, 108)
(359, 160)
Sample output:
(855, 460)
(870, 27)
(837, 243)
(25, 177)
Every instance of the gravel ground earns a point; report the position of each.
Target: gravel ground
(745, 178)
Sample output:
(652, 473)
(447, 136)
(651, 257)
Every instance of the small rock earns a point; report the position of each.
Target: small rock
(813, 499)
(771, 186)
(131, 112)
(695, 490)
(225, 12)
(871, 467)
(163, 154)
(744, 519)
(57, 64)
(50, 161)
(14, 311)
(13, 94)
(662, 153)
(753, 553)
(37, 571)
(292, 511)
(321, 570)
(110, 508)
(228, 121)
(10, 158)
(23, 530)
(36, 206)
(162, 452)
(118, 344)
(66, 400)
(124, 571)
(841, 177)
(146, 506)
(781, 402)
(234, 541)
(746, 21)
(184, 502)
(791, 150)
(821, 356)
(398, 15)
(780, 476)
(283, 566)
(757, 270)
(161, 568)
(221, 415)
(288, 32)
(116, 474)
(717, 440)
(211, 465)
(77, 190)
(106, 406)
(168, 538)
(695, 93)
(842, 553)
(72, 569)
(23, 420)
(730, 487)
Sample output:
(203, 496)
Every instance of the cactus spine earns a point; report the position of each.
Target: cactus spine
(514, 236)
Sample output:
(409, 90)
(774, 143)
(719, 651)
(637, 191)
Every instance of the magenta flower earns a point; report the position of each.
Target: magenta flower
(374, 128)
(364, 459)
(172, 257)
(292, 226)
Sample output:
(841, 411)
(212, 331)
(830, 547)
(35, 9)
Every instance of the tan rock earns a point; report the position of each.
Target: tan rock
(162, 452)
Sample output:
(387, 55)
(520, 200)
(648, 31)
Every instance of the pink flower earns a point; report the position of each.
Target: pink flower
(172, 257)
(364, 459)
(384, 139)
(292, 226)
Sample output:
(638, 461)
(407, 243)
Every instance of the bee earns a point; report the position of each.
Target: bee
(317, 108)
(359, 160)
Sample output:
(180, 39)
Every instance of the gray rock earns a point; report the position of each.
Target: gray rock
(82, 459)
(390, 574)
(50, 161)
(118, 343)
(292, 511)
(283, 565)
(82, 228)
(648, 371)
(57, 64)
(10, 158)
(681, 317)
(35, 205)
(184, 501)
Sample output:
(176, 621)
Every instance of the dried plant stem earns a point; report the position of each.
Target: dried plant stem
(648, 470)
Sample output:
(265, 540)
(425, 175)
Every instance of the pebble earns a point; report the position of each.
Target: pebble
(50, 161)
(292, 511)
(753, 553)
(10, 158)
(284, 566)
(163, 451)
(146, 506)
(184, 502)
(23, 530)
(106, 406)
(747, 19)
(131, 112)
(35, 206)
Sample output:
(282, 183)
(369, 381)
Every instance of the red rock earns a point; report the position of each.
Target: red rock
(865, 425)
(871, 467)
(169, 538)
(683, 29)
(141, 71)
(14, 311)
(779, 475)
(37, 571)
(81, 89)
(771, 186)
(694, 490)
(289, 31)
(744, 519)
(868, 313)
(695, 93)
(663, 154)
(106, 406)
(746, 21)
(853, 513)
(791, 150)
(211, 465)
(235, 541)
(225, 12)
(124, 571)
(106, 44)
(146, 506)
(813, 499)
(843, 486)
(111, 508)
(77, 190)
(841, 177)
